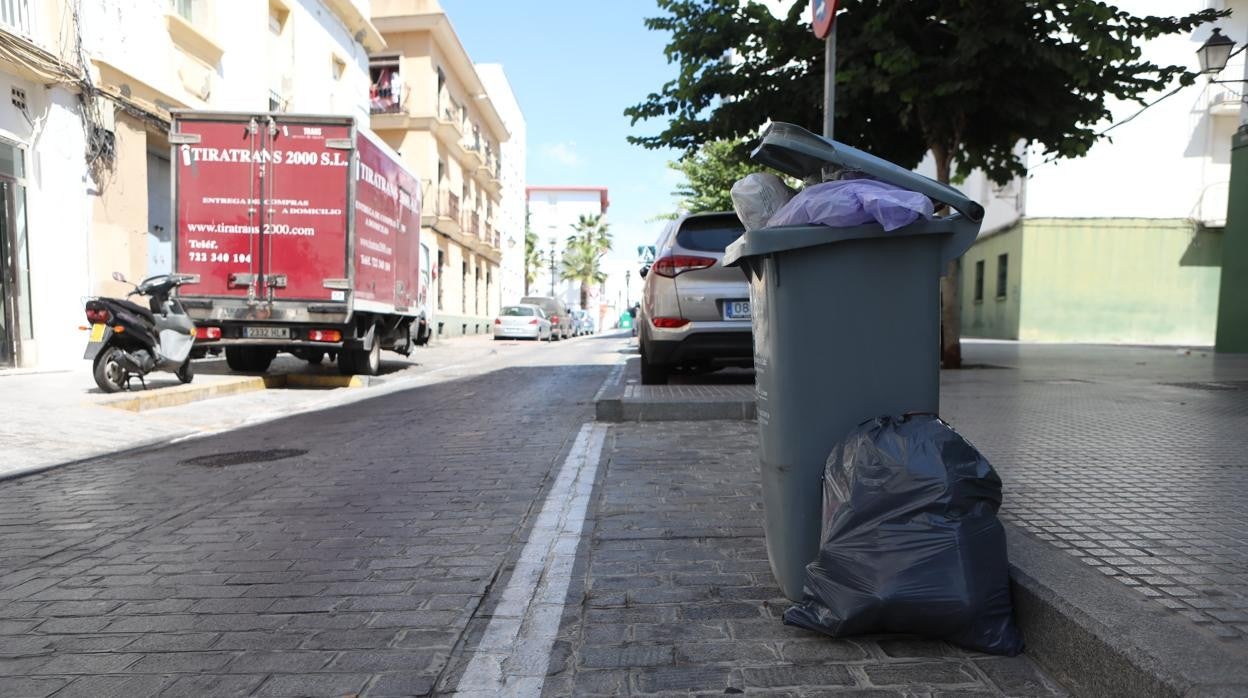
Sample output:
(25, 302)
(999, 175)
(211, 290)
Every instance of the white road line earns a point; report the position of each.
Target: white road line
(515, 649)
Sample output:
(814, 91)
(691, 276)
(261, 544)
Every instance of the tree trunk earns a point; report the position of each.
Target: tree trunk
(584, 296)
(950, 309)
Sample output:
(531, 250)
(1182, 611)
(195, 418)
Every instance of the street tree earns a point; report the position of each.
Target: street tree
(583, 253)
(709, 173)
(532, 258)
(966, 80)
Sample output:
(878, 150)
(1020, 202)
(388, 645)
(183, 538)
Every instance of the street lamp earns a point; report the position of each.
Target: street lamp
(1215, 53)
(552, 267)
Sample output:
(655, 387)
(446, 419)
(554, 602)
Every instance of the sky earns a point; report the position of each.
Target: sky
(575, 67)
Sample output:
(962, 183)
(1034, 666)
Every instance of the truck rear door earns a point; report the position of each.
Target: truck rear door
(262, 207)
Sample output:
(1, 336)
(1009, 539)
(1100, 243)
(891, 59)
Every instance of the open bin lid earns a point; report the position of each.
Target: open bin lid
(800, 153)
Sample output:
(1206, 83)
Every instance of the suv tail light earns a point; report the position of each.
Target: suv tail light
(98, 316)
(554, 319)
(672, 266)
(669, 323)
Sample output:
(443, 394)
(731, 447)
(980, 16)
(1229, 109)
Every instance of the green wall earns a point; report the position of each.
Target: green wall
(994, 317)
(1233, 308)
(1130, 281)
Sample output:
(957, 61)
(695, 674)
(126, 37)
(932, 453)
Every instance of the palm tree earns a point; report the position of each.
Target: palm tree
(532, 259)
(582, 257)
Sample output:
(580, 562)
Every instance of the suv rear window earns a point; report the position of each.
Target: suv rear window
(709, 233)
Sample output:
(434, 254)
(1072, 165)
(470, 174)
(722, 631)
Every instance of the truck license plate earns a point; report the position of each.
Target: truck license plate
(266, 332)
(736, 310)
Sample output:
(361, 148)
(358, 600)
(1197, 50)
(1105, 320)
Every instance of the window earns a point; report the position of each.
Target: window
(385, 90)
(275, 101)
(16, 15)
(979, 280)
(337, 67)
(463, 289)
(441, 275)
(1003, 274)
(185, 9)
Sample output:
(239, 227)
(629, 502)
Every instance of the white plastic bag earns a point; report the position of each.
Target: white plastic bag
(851, 202)
(756, 197)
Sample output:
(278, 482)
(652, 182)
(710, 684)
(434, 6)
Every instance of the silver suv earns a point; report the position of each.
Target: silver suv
(695, 313)
(556, 311)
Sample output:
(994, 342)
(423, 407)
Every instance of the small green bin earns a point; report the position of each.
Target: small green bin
(846, 328)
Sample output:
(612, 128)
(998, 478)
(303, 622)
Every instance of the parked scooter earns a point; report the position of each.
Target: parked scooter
(130, 341)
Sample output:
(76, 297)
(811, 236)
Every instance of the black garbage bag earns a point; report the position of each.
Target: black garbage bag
(911, 541)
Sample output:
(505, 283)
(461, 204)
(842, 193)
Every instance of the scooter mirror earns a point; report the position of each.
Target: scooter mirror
(118, 276)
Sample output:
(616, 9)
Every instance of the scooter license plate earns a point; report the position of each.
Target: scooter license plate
(97, 332)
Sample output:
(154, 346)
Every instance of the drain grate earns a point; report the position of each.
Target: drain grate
(1215, 386)
(221, 460)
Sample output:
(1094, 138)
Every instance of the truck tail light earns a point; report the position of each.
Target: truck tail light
(669, 323)
(98, 316)
(672, 266)
(208, 333)
(324, 336)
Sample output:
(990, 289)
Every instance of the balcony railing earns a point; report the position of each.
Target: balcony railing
(384, 96)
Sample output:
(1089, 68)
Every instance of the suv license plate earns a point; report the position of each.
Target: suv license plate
(736, 310)
(266, 332)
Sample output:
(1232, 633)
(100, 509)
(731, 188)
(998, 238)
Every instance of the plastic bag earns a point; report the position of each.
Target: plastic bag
(911, 541)
(851, 202)
(756, 197)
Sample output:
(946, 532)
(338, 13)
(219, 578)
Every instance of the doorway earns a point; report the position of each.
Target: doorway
(15, 307)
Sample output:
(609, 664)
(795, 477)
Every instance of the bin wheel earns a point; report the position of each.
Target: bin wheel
(652, 374)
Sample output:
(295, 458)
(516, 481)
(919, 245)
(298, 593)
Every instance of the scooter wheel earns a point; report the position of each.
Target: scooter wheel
(185, 373)
(109, 374)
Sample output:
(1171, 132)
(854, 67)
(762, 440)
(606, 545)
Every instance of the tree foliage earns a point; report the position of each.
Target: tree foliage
(532, 257)
(967, 79)
(583, 253)
(709, 174)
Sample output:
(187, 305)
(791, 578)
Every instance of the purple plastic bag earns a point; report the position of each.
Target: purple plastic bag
(851, 202)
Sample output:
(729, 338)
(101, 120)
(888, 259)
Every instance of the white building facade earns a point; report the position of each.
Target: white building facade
(509, 219)
(553, 210)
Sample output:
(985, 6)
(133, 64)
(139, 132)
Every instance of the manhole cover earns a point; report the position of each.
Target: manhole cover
(1212, 385)
(221, 460)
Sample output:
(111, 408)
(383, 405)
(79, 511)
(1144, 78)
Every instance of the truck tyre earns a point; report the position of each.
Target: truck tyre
(368, 361)
(346, 362)
(651, 373)
(249, 359)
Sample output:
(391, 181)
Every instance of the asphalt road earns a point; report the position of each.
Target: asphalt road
(329, 553)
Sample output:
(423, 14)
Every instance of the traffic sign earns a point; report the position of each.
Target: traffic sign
(645, 254)
(822, 13)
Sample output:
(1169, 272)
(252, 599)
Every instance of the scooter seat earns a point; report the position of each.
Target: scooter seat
(134, 308)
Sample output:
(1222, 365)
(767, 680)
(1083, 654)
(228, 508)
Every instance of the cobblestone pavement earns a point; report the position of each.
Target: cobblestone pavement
(1133, 460)
(675, 593)
(351, 566)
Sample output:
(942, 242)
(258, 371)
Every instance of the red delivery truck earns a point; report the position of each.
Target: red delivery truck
(305, 234)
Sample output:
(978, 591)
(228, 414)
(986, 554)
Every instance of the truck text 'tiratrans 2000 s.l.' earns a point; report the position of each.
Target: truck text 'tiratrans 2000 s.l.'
(305, 233)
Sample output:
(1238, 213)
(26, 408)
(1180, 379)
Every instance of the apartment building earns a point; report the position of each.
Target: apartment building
(428, 102)
(553, 211)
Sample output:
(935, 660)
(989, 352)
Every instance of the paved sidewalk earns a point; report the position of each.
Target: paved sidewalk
(676, 595)
(1132, 462)
(51, 418)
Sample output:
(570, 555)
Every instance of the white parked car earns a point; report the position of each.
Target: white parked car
(522, 322)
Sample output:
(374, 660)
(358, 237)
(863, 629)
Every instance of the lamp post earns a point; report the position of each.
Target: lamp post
(552, 267)
(1232, 325)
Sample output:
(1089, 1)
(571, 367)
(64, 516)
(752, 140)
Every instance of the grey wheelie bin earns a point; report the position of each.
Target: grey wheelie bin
(846, 328)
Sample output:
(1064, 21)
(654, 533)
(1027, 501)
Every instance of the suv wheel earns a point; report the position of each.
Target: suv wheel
(652, 374)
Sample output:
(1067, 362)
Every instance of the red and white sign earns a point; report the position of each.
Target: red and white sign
(822, 14)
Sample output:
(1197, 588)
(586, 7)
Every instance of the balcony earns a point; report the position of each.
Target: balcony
(441, 212)
(1227, 99)
(472, 225)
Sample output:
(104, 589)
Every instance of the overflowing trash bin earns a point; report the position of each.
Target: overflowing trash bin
(846, 324)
